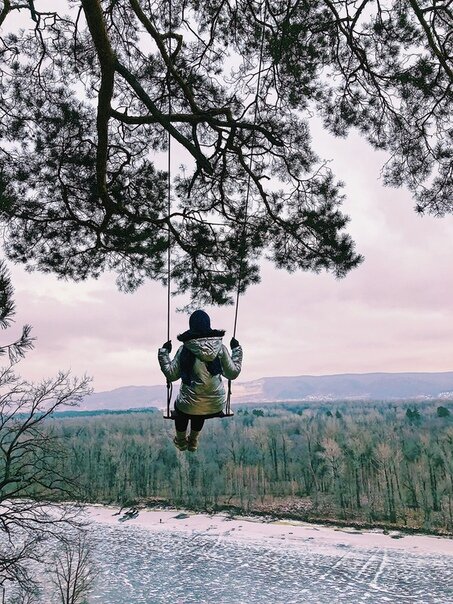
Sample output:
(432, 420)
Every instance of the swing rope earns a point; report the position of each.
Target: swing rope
(246, 208)
(227, 412)
(169, 384)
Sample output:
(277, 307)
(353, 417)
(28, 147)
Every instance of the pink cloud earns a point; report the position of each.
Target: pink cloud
(393, 313)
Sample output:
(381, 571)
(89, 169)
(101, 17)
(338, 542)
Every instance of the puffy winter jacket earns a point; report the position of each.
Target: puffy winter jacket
(206, 393)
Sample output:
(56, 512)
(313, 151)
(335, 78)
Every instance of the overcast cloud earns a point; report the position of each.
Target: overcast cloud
(393, 313)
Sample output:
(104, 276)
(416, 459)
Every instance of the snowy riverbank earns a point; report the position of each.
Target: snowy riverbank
(252, 530)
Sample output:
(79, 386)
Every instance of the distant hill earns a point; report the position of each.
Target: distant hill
(127, 397)
(379, 386)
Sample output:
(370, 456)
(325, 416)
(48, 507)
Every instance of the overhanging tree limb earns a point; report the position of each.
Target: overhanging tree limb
(168, 60)
(106, 56)
(191, 118)
(162, 118)
(81, 190)
(430, 38)
(5, 10)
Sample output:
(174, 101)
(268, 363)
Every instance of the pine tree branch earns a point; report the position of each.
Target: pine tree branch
(159, 40)
(5, 10)
(106, 56)
(206, 117)
(161, 118)
(429, 36)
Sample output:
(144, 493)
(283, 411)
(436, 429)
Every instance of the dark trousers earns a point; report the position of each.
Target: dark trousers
(182, 421)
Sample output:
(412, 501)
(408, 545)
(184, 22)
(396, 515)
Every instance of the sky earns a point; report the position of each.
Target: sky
(393, 313)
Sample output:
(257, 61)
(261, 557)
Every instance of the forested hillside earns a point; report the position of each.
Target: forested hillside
(371, 463)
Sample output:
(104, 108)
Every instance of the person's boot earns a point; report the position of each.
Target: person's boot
(192, 441)
(180, 440)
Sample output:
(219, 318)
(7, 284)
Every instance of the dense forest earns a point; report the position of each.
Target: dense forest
(383, 464)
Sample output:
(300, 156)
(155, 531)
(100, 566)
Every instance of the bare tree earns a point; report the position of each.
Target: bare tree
(74, 568)
(31, 490)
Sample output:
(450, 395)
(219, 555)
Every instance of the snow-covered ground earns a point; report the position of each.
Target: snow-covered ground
(165, 557)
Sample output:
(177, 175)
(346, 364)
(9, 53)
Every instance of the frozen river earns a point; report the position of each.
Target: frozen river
(160, 559)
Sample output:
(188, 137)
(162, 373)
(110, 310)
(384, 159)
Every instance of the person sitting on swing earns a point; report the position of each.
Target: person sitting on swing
(200, 362)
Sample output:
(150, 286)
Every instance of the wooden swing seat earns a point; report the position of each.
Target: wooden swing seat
(172, 415)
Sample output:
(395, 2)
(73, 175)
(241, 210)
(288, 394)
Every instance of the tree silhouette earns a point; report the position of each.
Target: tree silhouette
(91, 95)
(29, 484)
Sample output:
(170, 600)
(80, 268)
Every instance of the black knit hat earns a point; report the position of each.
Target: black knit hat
(200, 327)
(199, 322)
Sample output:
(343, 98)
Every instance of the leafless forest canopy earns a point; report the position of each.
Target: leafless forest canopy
(372, 463)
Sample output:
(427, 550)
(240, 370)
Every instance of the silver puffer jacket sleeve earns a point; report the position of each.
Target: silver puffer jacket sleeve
(231, 364)
(169, 368)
